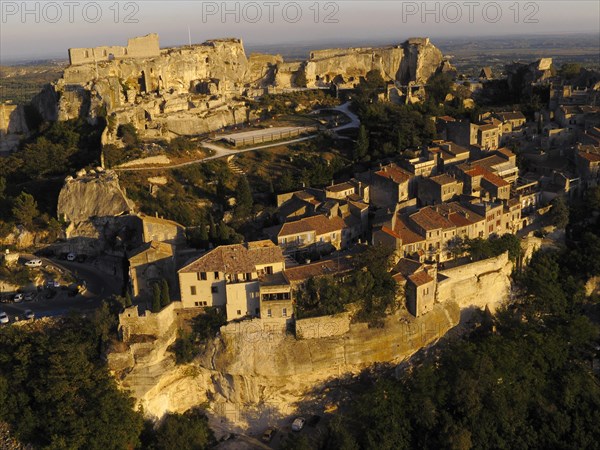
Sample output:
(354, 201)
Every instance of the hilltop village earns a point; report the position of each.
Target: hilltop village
(340, 197)
(480, 177)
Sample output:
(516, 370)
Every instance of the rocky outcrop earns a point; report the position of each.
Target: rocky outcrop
(201, 88)
(94, 194)
(249, 365)
(522, 77)
(414, 61)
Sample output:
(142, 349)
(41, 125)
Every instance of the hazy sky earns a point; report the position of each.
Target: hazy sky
(47, 29)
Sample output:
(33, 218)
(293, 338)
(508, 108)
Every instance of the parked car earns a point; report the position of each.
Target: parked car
(29, 296)
(50, 293)
(268, 434)
(34, 263)
(29, 314)
(298, 423)
(71, 257)
(4, 317)
(81, 258)
(18, 298)
(52, 284)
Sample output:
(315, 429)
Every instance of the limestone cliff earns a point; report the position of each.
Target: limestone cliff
(94, 194)
(201, 88)
(249, 366)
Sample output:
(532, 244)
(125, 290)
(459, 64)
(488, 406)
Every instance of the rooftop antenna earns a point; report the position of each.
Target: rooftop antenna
(189, 36)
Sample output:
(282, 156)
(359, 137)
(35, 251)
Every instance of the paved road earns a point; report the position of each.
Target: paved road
(221, 151)
(99, 286)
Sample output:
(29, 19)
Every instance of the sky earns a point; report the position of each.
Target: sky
(46, 29)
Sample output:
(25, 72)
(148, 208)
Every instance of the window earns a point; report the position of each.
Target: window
(197, 303)
(193, 290)
(216, 275)
(214, 289)
(269, 270)
(257, 311)
(248, 276)
(269, 313)
(203, 275)
(239, 312)
(284, 312)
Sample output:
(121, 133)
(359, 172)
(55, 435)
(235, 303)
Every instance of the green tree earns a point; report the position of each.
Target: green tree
(56, 390)
(128, 134)
(156, 298)
(569, 71)
(188, 431)
(25, 209)
(439, 86)
(2, 187)
(301, 80)
(243, 195)
(361, 147)
(559, 213)
(165, 297)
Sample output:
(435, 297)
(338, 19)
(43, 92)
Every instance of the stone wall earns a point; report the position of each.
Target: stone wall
(481, 283)
(138, 47)
(321, 327)
(131, 323)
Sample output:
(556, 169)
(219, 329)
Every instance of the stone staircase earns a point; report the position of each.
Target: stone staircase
(234, 167)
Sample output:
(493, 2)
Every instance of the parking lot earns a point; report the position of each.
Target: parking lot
(64, 286)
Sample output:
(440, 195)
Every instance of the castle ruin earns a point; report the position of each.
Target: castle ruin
(137, 47)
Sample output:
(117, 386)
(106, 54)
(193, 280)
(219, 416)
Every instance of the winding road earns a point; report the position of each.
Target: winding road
(221, 151)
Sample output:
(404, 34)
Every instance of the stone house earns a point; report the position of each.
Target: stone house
(389, 186)
(419, 283)
(311, 232)
(438, 189)
(149, 264)
(229, 276)
(436, 229)
(449, 154)
(487, 135)
(162, 230)
(276, 303)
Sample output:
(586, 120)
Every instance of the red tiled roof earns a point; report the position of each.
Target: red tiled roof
(407, 235)
(420, 278)
(407, 266)
(236, 258)
(443, 179)
(327, 267)
(429, 219)
(394, 173)
(489, 176)
(319, 224)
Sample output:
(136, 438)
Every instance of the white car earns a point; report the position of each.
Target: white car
(52, 284)
(18, 298)
(4, 317)
(298, 423)
(34, 263)
(71, 257)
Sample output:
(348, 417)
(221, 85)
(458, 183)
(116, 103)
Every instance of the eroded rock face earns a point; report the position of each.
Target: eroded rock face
(242, 369)
(198, 89)
(92, 195)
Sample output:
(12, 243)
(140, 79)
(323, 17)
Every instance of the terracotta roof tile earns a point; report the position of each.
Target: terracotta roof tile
(420, 278)
(394, 173)
(236, 258)
(429, 219)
